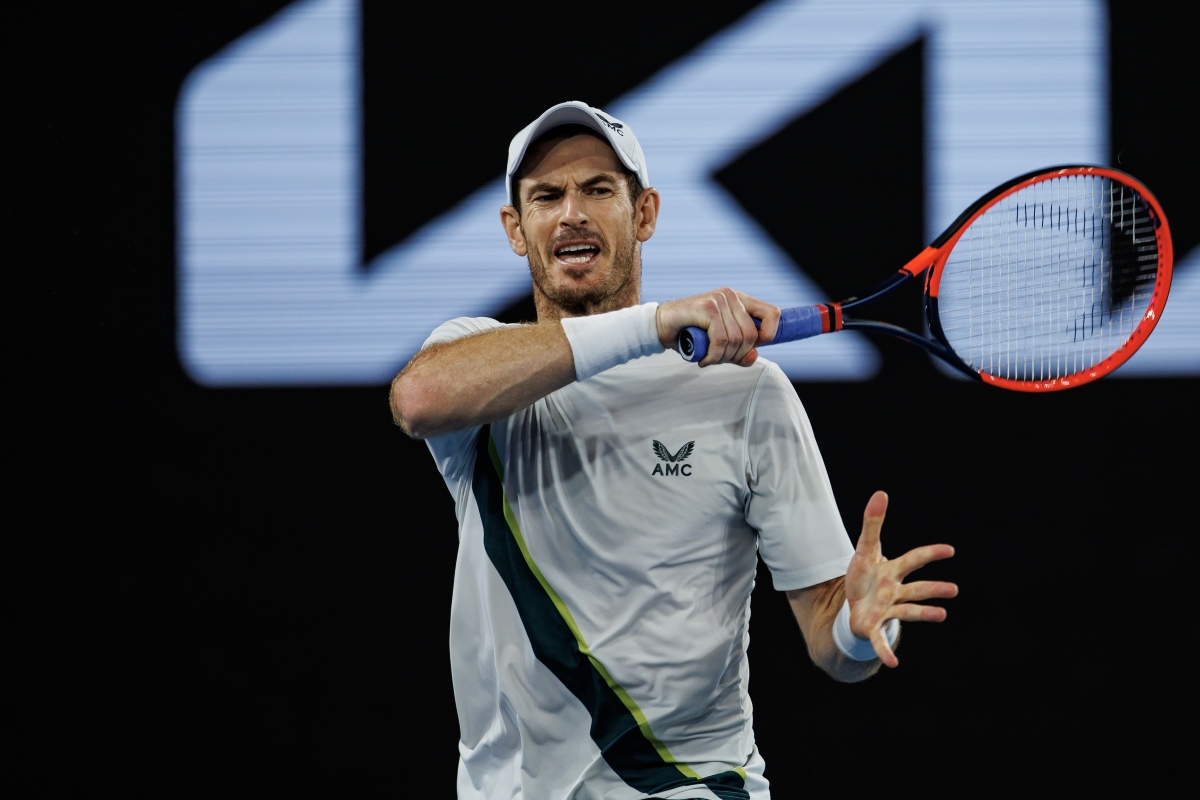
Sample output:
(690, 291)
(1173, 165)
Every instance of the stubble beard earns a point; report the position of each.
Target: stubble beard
(621, 287)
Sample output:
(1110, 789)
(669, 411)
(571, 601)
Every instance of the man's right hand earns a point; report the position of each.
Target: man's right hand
(728, 317)
(488, 376)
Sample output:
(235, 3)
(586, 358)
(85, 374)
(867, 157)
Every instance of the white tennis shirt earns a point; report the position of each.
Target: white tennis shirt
(608, 537)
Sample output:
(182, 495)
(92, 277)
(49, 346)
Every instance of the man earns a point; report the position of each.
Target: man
(612, 500)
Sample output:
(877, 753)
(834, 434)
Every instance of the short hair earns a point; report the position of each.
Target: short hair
(632, 182)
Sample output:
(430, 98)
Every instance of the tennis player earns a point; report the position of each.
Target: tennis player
(612, 500)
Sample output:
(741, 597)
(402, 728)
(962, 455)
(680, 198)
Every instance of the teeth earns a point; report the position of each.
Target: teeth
(573, 247)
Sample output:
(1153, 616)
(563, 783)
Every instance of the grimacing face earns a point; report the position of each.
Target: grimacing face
(578, 226)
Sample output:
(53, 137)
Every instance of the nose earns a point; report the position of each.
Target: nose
(573, 214)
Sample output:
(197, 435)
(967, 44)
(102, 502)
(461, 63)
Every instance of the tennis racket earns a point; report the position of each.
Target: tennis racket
(1047, 282)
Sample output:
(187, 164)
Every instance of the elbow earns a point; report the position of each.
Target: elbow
(412, 409)
(842, 669)
(857, 673)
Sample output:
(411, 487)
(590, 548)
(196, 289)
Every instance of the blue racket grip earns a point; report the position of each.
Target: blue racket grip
(794, 324)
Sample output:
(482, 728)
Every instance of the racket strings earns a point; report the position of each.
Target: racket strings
(1050, 280)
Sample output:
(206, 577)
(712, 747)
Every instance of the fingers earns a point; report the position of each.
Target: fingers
(718, 335)
(915, 559)
(911, 612)
(905, 612)
(741, 318)
(926, 590)
(883, 649)
(729, 319)
(731, 330)
(766, 313)
(868, 541)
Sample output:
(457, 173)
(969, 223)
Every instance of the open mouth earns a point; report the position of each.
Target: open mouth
(577, 252)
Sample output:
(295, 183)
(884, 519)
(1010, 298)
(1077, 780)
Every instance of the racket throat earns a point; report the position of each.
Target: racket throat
(895, 331)
(879, 290)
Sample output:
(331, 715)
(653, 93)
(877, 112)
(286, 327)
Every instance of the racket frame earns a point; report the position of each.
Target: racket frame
(932, 262)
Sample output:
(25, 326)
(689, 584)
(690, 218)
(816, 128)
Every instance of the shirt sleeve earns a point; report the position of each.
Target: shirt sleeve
(790, 503)
(460, 327)
(453, 452)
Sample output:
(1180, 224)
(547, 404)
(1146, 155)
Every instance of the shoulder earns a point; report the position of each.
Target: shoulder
(460, 327)
(734, 380)
(771, 379)
(774, 404)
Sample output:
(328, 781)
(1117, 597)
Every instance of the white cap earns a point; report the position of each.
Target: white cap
(615, 132)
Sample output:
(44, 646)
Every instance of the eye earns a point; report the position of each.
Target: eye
(600, 191)
(546, 197)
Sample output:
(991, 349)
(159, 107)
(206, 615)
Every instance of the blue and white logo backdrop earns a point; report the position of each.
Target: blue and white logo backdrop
(271, 291)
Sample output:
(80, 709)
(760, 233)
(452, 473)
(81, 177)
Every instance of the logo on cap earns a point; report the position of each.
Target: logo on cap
(616, 126)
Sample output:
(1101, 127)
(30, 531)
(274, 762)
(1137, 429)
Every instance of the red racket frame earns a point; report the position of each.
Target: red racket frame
(932, 261)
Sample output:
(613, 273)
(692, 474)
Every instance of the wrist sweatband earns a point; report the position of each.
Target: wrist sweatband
(603, 341)
(853, 647)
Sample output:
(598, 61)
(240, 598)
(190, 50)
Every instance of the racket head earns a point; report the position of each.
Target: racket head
(1051, 280)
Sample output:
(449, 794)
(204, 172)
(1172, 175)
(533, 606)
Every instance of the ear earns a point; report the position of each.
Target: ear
(512, 227)
(646, 213)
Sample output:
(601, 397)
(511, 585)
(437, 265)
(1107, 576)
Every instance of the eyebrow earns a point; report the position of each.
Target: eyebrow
(552, 187)
(601, 178)
(543, 187)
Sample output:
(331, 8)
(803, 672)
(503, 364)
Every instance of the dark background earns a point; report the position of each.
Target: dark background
(247, 591)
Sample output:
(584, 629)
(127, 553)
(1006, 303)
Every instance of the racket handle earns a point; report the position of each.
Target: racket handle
(794, 324)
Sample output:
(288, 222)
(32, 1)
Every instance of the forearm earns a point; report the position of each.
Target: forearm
(815, 609)
(471, 381)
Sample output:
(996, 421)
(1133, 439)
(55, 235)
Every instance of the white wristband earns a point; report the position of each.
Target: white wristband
(853, 647)
(603, 341)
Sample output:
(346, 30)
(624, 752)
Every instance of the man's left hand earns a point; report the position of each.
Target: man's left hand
(875, 586)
